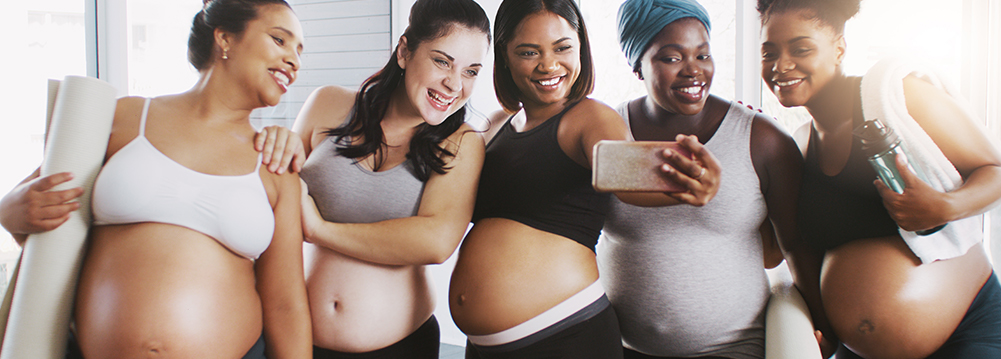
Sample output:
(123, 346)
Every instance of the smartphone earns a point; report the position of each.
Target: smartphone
(633, 166)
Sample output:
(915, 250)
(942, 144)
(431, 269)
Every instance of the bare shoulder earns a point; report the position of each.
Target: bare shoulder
(594, 110)
(771, 142)
(327, 106)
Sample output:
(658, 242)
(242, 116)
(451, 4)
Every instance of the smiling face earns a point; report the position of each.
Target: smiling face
(677, 68)
(544, 59)
(799, 56)
(265, 57)
(439, 74)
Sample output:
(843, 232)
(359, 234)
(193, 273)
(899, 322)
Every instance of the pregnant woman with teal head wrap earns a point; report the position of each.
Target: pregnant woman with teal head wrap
(689, 281)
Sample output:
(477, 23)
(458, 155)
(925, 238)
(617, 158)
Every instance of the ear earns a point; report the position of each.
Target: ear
(639, 75)
(402, 52)
(839, 48)
(223, 39)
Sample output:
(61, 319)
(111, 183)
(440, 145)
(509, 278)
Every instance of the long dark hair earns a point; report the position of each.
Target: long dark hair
(509, 16)
(228, 15)
(429, 20)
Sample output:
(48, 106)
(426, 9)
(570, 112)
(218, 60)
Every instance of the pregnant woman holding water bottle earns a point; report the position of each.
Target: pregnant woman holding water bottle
(871, 280)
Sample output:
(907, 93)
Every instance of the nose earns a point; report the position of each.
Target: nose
(453, 81)
(692, 69)
(548, 64)
(783, 65)
(293, 59)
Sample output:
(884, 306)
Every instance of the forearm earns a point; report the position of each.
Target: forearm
(805, 265)
(287, 327)
(980, 193)
(416, 240)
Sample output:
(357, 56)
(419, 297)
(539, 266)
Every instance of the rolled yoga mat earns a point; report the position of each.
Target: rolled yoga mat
(788, 326)
(42, 303)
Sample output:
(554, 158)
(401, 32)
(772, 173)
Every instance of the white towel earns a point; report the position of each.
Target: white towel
(883, 98)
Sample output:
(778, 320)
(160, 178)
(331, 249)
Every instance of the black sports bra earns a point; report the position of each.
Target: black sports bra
(834, 210)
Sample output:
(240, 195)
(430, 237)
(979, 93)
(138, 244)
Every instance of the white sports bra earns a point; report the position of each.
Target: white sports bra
(141, 184)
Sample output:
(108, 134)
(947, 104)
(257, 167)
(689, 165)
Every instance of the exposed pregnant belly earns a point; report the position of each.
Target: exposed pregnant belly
(359, 306)
(157, 290)
(508, 273)
(883, 304)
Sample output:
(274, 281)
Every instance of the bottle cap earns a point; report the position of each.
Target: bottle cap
(875, 136)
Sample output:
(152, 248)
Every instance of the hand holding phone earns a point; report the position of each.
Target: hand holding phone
(633, 166)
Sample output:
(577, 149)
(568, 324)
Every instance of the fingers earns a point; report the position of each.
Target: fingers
(54, 216)
(906, 173)
(259, 139)
(48, 182)
(277, 163)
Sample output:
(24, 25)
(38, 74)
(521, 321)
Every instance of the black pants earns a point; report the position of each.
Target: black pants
(423, 343)
(632, 354)
(978, 334)
(596, 337)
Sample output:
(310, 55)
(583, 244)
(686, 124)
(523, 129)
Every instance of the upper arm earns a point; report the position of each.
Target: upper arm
(596, 122)
(779, 165)
(325, 108)
(951, 125)
(281, 262)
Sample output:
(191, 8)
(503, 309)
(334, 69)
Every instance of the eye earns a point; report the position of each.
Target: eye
(278, 40)
(767, 56)
(563, 48)
(527, 53)
(668, 59)
(705, 57)
(472, 73)
(802, 51)
(441, 62)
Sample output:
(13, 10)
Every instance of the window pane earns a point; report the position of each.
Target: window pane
(158, 46)
(46, 40)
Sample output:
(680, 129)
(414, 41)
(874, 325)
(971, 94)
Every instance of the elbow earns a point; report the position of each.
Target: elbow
(442, 245)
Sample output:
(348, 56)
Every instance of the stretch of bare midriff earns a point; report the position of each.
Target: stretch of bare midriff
(883, 304)
(158, 289)
(508, 273)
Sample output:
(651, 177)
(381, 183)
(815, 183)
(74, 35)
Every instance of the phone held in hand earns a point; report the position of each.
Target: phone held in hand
(633, 166)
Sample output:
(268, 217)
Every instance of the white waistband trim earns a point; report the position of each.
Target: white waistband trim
(551, 316)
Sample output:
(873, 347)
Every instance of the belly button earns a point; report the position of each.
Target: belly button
(866, 327)
(462, 299)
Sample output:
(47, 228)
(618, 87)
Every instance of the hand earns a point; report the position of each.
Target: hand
(311, 219)
(700, 175)
(280, 147)
(919, 207)
(827, 347)
(31, 208)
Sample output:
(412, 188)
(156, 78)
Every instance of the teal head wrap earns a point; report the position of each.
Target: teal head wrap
(641, 20)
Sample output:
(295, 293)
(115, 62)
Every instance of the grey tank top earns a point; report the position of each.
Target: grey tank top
(689, 281)
(347, 192)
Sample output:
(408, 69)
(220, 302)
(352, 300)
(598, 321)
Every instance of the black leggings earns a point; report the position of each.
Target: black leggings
(978, 334)
(596, 337)
(632, 354)
(423, 343)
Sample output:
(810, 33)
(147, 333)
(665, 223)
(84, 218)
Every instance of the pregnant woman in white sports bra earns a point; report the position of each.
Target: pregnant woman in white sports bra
(195, 252)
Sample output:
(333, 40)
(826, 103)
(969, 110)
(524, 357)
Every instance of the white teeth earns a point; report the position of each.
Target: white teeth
(788, 83)
(691, 90)
(282, 78)
(440, 100)
(549, 82)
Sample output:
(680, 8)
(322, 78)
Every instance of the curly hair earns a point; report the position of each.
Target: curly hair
(833, 13)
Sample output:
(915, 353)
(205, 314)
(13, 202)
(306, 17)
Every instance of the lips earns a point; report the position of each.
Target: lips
(691, 92)
(281, 77)
(439, 100)
(550, 83)
(786, 84)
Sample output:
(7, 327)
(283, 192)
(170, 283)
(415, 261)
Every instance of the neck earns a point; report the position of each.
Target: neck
(213, 98)
(538, 113)
(831, 107)
(400, 113)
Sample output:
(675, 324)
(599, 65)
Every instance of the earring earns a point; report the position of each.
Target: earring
(225, 55)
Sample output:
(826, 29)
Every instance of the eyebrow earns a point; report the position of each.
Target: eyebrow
(534, 46)
(791, 41)
(452, 59)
